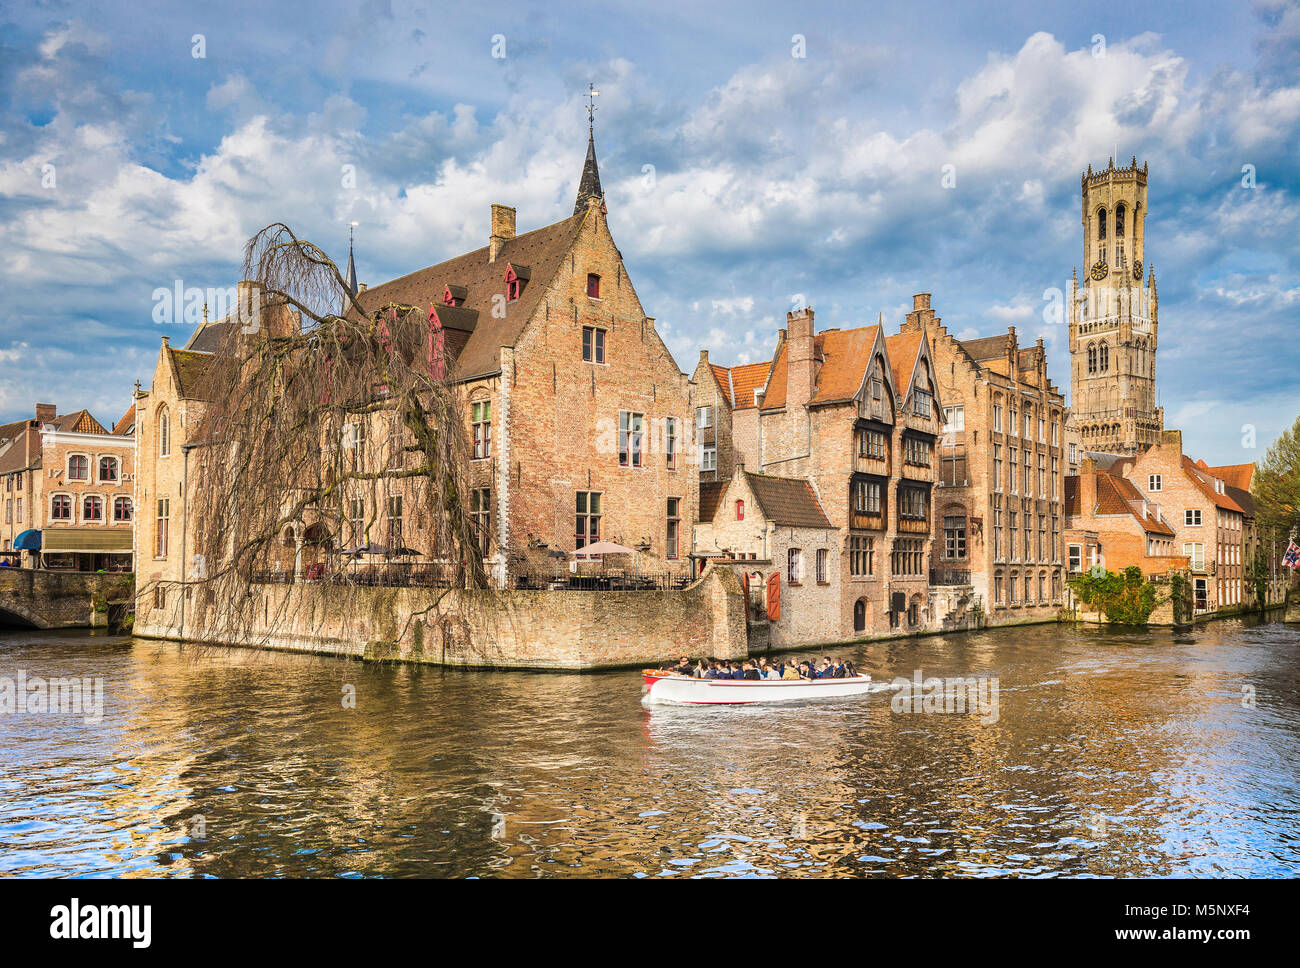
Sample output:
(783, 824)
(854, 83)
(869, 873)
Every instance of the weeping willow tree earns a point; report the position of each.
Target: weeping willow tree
(331, 457)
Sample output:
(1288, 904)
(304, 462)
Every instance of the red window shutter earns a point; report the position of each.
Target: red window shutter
(774, 596)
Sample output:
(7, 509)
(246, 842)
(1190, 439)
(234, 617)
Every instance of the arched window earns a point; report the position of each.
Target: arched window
(1119, 221)
(108, 468)
(92, 508)
(122, 509)
(60, 508)
(1092, 358)
(164, 433)
(1103, 358)
(860, 615)
(1101, 224)
(78, 468)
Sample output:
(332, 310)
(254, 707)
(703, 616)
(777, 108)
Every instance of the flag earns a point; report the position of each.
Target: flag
(1292, 556)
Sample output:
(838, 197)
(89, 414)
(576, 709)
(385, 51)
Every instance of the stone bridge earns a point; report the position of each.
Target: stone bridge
(30, 598)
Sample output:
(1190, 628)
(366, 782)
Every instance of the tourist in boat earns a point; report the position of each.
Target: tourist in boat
(790, 672)
(751, 671)
(737, 671)
(718, 670)
(849, 671)
(701, 670)
(684, 666)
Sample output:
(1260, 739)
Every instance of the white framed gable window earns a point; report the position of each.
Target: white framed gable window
(703, 417)
(1192, 517)
(1153, 482)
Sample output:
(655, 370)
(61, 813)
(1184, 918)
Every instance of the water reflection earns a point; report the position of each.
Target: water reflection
(1113, 754)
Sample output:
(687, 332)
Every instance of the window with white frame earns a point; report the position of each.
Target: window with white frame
(1154, 482)
(1192, 517)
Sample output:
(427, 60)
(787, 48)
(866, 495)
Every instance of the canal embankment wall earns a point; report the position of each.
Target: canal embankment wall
(516, 629)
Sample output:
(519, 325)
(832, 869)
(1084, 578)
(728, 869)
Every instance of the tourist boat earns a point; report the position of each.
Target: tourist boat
(662, 687)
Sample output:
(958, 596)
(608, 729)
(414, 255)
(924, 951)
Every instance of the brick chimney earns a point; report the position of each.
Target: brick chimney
(503, 229)
(1087, 486)
(800, 365)
(45, 413)
(921, 316)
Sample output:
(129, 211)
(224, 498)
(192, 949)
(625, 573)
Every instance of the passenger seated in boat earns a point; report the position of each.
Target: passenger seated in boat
(718, 670)
(805, 670)
(849, 671)
(684, 666)
(701, 670)
(737, 671)
(751, 671)
(839, 671)
(790, 672)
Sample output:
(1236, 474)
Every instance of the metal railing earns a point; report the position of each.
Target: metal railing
(950, 576)
(654, 582)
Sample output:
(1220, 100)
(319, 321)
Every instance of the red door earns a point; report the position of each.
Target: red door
(774, 596)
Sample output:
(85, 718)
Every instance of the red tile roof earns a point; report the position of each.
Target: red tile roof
(1234, 475)
(1220, 500)
(903, 348)
(789, 501)
(126, 423)
(842, 355)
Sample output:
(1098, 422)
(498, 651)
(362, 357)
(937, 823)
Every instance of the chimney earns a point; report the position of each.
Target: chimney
(704, 356)
(1172, 438)
(920, 301)
(503, 229)
(801, 367)
(1087, 486)
(45, 413)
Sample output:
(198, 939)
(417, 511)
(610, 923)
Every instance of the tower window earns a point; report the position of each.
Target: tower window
(1101, 223)
(1119, 221)
(1092, 358)
(1103, 358)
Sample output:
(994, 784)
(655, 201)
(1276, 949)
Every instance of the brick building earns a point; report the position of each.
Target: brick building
(776, 537)
(579, 416)
(68, 484)
(1110, 523)
(854, 413)
(999, 514)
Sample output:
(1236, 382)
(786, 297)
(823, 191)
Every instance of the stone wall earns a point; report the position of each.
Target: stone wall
(559, 630)
(58, 599)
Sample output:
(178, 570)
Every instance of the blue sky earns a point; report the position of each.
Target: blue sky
(776, 179)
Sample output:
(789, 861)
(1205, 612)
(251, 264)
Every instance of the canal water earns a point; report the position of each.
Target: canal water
(1113, 753)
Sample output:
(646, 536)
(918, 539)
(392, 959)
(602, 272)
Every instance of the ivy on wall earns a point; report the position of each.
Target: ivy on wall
(1125, 599)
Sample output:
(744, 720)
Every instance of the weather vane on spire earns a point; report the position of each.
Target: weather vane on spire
(592, 94)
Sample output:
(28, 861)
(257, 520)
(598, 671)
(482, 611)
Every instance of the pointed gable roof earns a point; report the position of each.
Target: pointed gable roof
(788, 501)
(190, 368)
(739, 383)
(541, 250)
(1197, 477)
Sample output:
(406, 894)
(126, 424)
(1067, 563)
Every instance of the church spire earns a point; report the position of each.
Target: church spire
(352, 266)
(589, 184)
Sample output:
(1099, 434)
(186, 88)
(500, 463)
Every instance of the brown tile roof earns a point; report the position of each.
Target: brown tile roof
(1117, 495)
(710, 496)
(79, 422)
(903, 348)
(126, 423)
(987, 348)
(13, 455)
(207, 337)
(191, 370)
(1206, 488)
(1234, 475)
(541, 250)
(842, 355)
(740, 382)
(1243, 499)
(1072, 496)
(788, 501)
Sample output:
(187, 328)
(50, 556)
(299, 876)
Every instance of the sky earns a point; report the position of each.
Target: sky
(755, 157)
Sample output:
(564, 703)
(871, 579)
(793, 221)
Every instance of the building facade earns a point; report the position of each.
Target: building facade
(68, 491)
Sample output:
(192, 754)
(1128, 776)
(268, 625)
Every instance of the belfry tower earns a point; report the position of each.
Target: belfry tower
(1113, 323)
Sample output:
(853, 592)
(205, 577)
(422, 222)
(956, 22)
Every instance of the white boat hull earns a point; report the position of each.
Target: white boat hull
(692, 692)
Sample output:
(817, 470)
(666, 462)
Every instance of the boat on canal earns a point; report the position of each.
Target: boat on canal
(664, 687)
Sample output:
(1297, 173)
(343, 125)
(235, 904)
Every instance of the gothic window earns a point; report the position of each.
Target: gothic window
(1092, 358)
(1101, 224)
(1119, 220)
(1103, 359)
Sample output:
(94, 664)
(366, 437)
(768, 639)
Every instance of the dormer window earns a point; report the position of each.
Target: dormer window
(516, 279)
(447, 298)
(593, 285)
(454, 295)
